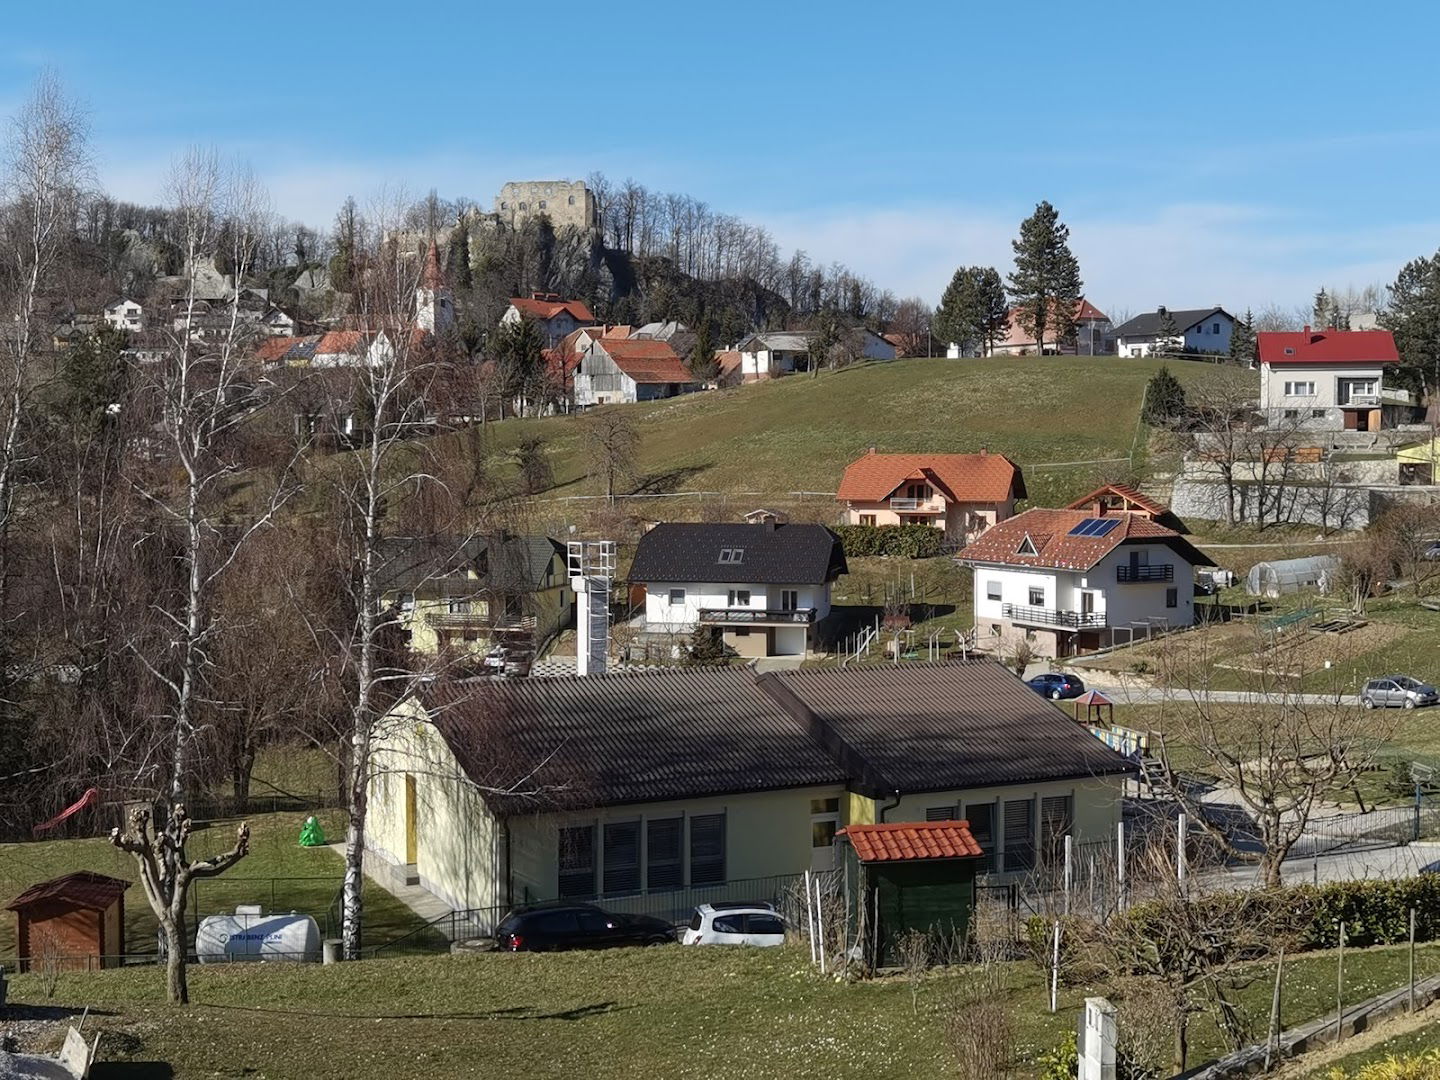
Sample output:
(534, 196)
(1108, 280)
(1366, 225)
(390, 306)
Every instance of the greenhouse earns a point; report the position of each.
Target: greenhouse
(1291, 575)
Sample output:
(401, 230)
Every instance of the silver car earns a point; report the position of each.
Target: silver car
(1397, 691)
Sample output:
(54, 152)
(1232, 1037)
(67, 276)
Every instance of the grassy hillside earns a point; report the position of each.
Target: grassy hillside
(797, 434)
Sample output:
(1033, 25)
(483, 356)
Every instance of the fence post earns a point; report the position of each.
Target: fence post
(1340, 985)
(1412, 959)
(1120, 863)
(1055, 971)
(1272, 1043)
(1069, 870)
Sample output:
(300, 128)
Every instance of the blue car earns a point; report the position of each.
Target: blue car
(1056, 686)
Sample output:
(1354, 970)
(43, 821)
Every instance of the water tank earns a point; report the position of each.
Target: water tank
(248, 935)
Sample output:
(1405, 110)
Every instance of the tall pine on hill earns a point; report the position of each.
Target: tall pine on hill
(1242, 341)
(973, 311)
(1414, 317)
(1046, 282)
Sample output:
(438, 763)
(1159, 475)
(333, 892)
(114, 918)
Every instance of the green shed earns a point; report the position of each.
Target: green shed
(917, 875)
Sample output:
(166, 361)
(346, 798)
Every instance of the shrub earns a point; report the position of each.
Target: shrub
(900, 541)
(1424, 1066)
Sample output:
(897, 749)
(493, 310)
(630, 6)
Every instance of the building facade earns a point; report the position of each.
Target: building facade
(960, 494)
(1328, 380)
(1197, 331)
(564, 202)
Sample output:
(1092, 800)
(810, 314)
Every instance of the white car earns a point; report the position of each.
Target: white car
(735, 923)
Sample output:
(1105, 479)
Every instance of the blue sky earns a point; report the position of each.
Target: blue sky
(1227, 153)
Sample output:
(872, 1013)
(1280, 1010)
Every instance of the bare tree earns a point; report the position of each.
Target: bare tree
(612, 443)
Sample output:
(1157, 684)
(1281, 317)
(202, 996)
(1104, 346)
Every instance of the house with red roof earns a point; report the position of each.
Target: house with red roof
(1073, 581)
(1089, 333)
(1329, 380)
(614, 370)
(555, 317)
(960, 494)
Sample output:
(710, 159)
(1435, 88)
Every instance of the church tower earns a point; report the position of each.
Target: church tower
(434, 303)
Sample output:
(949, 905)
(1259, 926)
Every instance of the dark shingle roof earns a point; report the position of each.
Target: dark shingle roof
(778, 555)
(508, 563)
(940, 728)
(1148, 325)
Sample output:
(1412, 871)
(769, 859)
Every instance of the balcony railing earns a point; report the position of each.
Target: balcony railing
(1043, 616)
(920, 506)
(1157, 572)
(1360, 399)
(756, 615)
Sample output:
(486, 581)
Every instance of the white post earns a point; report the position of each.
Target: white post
(1120, 861)
(1069, 871)
(1097, 1049)
(809, 917)
(1181, 827)
(820, 925)
(1055, 970)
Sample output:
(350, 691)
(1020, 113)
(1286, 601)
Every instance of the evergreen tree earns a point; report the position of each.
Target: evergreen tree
(954, 319)
(1414, 317)
(518, 352)
(991, 305)
(1320, 312)
(701, 360)
(457, 258)
(1166, 335)
(1242, 341)
(1164, 399)
(1046, 282)
(94, 381)
(974, 311)
(707, 649)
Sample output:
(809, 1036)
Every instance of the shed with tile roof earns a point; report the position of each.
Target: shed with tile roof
(75, 922)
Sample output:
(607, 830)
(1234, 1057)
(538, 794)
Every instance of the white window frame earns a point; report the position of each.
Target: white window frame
(1300, 388)
(993, 590)
(677, 598)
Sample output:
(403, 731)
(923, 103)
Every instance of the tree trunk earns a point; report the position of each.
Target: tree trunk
(177, 989)
(353, 893)
(1182, 1041)
(240, 772)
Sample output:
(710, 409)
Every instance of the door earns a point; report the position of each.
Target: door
(1393, 694)
(824, 822)
(412, 829)
(1087, 603)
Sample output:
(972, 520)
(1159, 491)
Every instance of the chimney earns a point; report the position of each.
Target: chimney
(1160, 311)
(984, 450)
(1307, 328)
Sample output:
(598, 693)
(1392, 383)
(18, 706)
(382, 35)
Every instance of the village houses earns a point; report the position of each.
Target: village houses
(1331, 380)
(613, 370)
(553, 316)
(960, 494)
(784, 352)
(1197, 330)
(1087, 332)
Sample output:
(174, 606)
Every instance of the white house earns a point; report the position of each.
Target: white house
(766, 355)
(1327, 380)
(555, 318)
(1197, 330)
(613, 370)
(1072, 581)
(765, 586)
(125, 314)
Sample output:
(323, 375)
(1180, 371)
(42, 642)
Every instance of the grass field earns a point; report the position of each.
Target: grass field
(666, 1012)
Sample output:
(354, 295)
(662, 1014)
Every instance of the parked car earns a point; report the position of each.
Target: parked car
(1432, 551)
(1056, 686)
(735, 923)
(552, 927)
(1397, 691)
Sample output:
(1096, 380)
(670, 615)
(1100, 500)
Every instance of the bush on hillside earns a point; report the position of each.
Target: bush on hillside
(901, 541)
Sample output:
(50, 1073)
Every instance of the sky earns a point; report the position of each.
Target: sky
(1225, 153)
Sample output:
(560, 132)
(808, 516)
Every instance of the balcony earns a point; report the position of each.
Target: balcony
(916, 506)
(751, 616)
(1158, 572)
(1368, 401)
(1041, 616)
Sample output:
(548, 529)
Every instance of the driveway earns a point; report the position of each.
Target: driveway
(1129, 693)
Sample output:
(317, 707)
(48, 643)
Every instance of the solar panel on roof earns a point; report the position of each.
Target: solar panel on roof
(1103, 527)
(1094, 527)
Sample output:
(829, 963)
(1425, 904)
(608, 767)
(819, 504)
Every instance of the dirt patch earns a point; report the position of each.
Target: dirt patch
(1301, 651)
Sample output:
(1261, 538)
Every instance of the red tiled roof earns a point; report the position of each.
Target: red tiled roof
(1049, 531)
(340, 341)
(272, 349)
(1327, 347)
(82, 889)
(727, 361)
(646, 360)
(984, 478)
(548, 309)
(1121, 491)
(1084, 311)
(1093, 697)
(909, 841)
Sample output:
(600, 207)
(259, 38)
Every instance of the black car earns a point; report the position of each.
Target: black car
(1056, 686)
(551, 927)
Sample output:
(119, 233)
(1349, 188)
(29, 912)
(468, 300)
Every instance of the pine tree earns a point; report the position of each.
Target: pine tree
(1164, 399)
(992, 306)
(1046, 283)
(954, 318)
(458, 257)
(974, 311)
(1242, 341)
(707, 649)
(1414, 317)
(1320, 312)
(701, 360)
(1166, 334)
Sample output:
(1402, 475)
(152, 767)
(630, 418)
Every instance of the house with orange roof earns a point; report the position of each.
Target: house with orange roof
(960, 494)
(1089, 333)
(614, 370)
(1076, 580)
(555, 317)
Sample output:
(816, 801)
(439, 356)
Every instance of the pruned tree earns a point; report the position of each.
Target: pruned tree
(612, 445)
(1045, 283)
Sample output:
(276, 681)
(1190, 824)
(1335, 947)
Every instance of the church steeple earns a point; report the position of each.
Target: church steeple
(434, 303)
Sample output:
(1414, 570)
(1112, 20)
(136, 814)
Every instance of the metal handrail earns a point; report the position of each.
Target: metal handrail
(1156, 572)
(757, 615)
(1052, 616)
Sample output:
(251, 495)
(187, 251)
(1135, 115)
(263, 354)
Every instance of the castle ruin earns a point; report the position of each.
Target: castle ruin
(565, 202)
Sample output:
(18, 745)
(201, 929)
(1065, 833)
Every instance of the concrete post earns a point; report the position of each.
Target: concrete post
(1097, 1042)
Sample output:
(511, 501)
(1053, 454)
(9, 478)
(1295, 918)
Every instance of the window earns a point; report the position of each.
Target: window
(982, 826)
(664, 868)
(1303, 388)
(1291, 414)
(1317, 414)
(555, 922)
(940, 813)
(1057, 816)
(1172, 597)
(1037, 597)
(707, 849)
(572, 200)
(764, 924)
(622, 858)
(1027, 546)
(677, 597)
(457, 605)
(577, 861)
(1019, 834)
(728, 924)
(732, 556)
(522, 206)
(992, 590)
(919, 491)
(407, 602)
(867, 519)
(504, 205)
(789, 599)
(739, 598)
(1214, 328)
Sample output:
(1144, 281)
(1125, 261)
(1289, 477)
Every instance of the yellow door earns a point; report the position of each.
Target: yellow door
(412, 837)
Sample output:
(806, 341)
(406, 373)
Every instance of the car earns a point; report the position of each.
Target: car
(554, 927)
(1432, 550)
(1397, 691)
(735, 923)
(1056, 685)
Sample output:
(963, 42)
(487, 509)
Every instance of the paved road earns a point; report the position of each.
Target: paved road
(1125, 693)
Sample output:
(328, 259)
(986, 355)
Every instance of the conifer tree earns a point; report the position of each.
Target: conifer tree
(953, 320)
(1242, 341)
(1045, 284)
(1164, 399)
(701, 361)
(1414, 317)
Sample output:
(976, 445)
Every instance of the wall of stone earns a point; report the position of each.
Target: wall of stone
(566, 202)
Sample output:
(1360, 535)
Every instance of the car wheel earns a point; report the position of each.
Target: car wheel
(657, 941)
(1054, 695)
(1367, 703)
(1409, 703)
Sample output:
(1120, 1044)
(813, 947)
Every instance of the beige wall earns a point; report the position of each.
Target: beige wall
(952, 520)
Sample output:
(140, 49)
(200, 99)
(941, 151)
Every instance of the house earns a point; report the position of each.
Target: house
(554, 317)
(125, 314)
(466, 593)
(960, 494)
(1121, 499)
(1089, 333)
(773, 353)
(765, 586)
(1197, 330)
(1073, 581)
(660, 790)
(1331, 380)
(727, 367)
(563, 360)
(615, 370)
(75, 922)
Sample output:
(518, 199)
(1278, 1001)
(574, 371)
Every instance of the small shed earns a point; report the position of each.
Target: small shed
(917, 875)
(1291, 575)
(1099, 709)
(76, 922)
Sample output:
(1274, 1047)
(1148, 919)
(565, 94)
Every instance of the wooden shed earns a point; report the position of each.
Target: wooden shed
(916, 875)
(78, 920)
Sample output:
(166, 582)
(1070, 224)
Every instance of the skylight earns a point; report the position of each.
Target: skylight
(1095, 527)
(732, 555)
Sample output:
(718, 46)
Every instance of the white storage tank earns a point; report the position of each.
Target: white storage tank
(249, 935)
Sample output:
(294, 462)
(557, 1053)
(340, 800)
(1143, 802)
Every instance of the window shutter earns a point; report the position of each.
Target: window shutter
(577, 862)
(707, 849)
(1019, 835)
(941, 813)
(622, 858)
(664, 868)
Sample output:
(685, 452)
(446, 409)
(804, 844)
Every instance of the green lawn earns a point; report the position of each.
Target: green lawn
(278, 873)
(667, 1012)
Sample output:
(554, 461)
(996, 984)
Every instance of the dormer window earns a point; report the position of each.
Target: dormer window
(732, 556)
(1027, 547)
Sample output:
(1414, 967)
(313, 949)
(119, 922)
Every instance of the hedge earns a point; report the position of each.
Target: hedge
(901, 541)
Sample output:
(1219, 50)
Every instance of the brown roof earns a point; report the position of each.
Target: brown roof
(1050, 533)
(727, 361)
(1125, 495)
(432, 277)
(646, 360)
(913, 840)
(539, 308)
(272, 349)
(341, 341)
(82, 889)
(982, 478)
(1084, 311)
